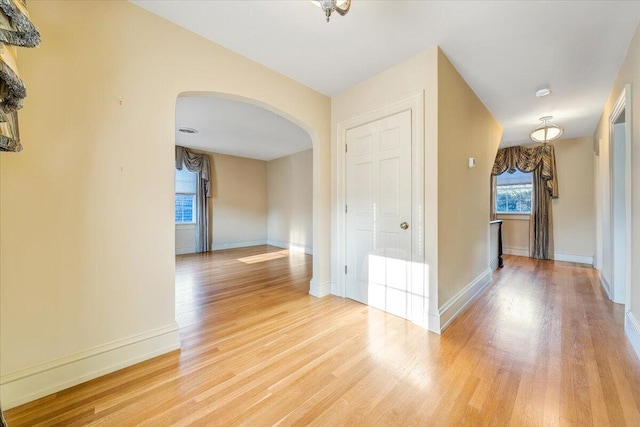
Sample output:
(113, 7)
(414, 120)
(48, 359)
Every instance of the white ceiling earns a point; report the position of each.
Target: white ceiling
(237, 128)
(504, 50)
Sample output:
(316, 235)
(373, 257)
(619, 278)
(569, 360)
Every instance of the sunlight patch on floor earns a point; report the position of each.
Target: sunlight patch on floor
(254, 259)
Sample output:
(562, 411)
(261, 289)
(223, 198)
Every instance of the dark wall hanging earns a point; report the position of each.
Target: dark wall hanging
(16, 30)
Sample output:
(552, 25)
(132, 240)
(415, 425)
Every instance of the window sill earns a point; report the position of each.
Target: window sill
(185, 224)
(514, 216)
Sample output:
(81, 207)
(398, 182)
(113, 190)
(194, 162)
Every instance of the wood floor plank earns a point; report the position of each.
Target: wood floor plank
(542, 345)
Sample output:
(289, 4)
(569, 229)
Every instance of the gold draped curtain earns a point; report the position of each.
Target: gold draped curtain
(541, 162)
(527, 160)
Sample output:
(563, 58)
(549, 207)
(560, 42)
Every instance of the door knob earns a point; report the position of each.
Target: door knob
(404, 225)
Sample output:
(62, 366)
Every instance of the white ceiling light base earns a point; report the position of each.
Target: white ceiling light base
(330, 6)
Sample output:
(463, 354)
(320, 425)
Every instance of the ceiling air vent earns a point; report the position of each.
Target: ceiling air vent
(187, 130)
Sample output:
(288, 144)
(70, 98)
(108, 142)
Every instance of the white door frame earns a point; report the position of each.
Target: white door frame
(623, 103)
(414, 103)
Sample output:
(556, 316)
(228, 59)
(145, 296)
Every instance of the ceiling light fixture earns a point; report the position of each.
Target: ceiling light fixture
(187, 130)
(330, 6)
(547, 131)
(543, 92)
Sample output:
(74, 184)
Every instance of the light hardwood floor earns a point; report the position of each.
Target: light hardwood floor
(541, 346)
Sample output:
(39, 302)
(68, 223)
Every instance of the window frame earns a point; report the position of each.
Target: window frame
(182, 193)
(193, 215)
(514, 215)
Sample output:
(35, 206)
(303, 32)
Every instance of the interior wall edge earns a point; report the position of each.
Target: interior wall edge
(632, 331)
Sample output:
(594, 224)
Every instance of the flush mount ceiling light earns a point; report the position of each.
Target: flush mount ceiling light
(547, 131)
(543, 92)
(187, 130)
(330, 6)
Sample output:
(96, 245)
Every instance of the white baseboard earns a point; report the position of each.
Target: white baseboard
(516, 251)
(452, 308)
(556, 256)
(234, 245)
(433, 322)
(17, 388)
(319, 290)
(632, 330)
(573, 258)
(605, 285)
(291, 246)
(338, 290)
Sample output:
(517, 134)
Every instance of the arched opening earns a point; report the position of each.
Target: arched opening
(262, 173)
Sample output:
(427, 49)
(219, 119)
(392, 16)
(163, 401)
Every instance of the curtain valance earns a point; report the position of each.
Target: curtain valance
(16, 29)
(195, 162)
(527, 160)
(15, 26)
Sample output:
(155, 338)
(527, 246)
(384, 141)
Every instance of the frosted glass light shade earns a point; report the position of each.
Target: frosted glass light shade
(547, 131)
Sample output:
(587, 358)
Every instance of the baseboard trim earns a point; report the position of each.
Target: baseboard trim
(295, 247)
(234, 245)
(632, 330)
(516, 251)
(32, 383)
(573, 258)
(433, 322)
(605, 285)
(452, 308)
(338, 290)
(319, 290)
(580, 259)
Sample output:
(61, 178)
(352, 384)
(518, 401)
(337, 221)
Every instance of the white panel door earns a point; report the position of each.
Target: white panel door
(378, 213)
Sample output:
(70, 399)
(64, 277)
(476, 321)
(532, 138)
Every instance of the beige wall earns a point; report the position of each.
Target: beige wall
(290, 213)
(573, 211)
(515, 234)
(254, 202)
(629, 74)
(239, 201)
(86, 210)
(465, 129)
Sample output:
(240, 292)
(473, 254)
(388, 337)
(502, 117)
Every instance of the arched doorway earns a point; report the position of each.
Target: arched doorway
(225, 122)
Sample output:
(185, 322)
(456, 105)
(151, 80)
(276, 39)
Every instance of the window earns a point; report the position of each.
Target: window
(513, 193)
(185, 196)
